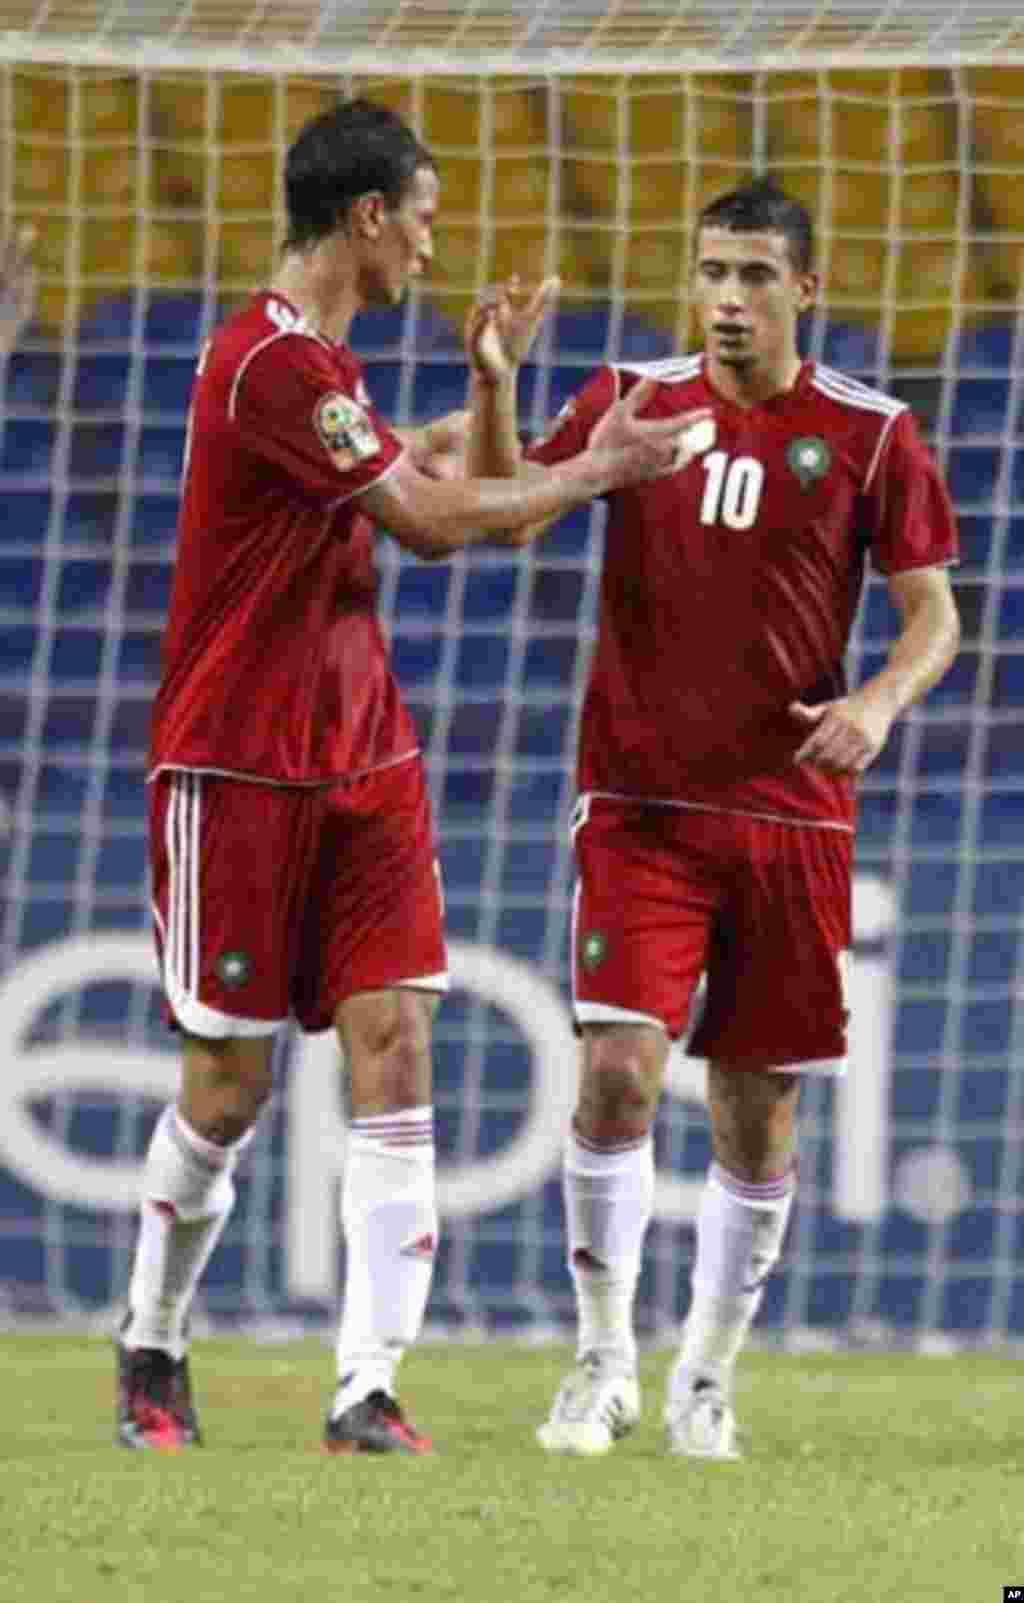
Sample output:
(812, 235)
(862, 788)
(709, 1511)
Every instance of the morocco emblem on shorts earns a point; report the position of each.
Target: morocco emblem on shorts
(809, 458)
(594, 949)
(234, 968)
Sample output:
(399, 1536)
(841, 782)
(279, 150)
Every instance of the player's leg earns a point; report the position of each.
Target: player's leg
(385, 958)
(389, 1215)
(639, 934)
(608, 1185)
(225, 954)
(187, 1196)
(741, 1223)
(775, 1010)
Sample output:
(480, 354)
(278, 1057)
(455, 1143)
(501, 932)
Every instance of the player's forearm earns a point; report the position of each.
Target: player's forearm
(493, 450)
(434, 520)
(920, 656)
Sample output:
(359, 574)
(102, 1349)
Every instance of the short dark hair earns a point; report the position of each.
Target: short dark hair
(762, 207)
(346, 152)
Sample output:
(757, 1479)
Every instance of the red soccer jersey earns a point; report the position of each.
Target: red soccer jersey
(274, 664)
(729, 588)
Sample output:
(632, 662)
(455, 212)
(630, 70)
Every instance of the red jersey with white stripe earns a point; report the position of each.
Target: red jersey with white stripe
(730, 587)
(274, 664)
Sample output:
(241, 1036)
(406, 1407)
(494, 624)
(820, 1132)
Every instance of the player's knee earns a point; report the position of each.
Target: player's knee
(386, 1040)
(225, 1087)
(618, 1092)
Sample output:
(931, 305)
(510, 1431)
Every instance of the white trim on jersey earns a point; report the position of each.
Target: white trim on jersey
(666, 370)
(254, 351)
(284, 784)
(180, 937)
(353, 495)
(602, 1013)
(851, 392)
(712, 807)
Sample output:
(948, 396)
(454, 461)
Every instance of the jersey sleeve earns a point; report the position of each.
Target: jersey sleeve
(294, 410)
(570, 431)
(914, 525)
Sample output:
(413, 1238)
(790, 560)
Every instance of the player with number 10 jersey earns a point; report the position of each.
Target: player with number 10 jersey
(729, 589)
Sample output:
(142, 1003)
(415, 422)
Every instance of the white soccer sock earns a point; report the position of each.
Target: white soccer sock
(187, 1195)
(389, 1218)
(740, 1229)
(608, 1202)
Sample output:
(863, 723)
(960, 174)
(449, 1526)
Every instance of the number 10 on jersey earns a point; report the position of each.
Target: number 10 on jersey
(732, 490)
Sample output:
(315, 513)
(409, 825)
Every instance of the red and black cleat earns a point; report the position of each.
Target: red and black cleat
(376, 1424)
(154, 1404)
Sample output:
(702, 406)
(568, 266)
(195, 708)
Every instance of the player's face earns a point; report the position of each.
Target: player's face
(404, 247)
(749, 297)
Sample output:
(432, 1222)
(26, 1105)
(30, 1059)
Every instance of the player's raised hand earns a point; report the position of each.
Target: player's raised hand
(17, 285)
(502, 326)
(843, 736)
(653, 446)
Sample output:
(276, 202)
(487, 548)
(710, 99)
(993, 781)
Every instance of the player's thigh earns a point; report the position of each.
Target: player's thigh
(230, 863)
(375, 913)
(778, 963)
(644, 904)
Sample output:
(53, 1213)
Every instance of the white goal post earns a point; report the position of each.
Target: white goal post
(144, 139)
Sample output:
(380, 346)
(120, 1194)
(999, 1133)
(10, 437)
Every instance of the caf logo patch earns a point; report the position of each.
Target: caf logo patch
(234, 968)
(344, 429)
(809, 458)
(594, 949)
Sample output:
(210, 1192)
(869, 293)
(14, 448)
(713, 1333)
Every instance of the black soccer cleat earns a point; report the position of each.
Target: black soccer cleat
(154, 1406)
(376, 1424)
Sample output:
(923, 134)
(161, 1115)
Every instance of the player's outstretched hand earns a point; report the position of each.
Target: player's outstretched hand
(843, 736)
(502, 326)
(17, 285)
(650, 448)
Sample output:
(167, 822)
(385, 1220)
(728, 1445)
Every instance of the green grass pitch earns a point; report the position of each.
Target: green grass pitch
(868, 1479)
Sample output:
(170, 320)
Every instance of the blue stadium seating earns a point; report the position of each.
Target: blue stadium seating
(28, 445)
(167, 384)
(21, 580)
(84, 585)
(101, 381)
(160, 453)
(26, 514)
(32, 376)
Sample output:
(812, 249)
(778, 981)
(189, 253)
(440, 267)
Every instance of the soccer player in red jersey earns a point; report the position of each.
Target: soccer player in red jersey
(291, 840)
(719, 753)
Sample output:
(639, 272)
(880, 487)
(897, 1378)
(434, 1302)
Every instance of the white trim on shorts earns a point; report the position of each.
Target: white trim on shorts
(423, 982)
(180, 938)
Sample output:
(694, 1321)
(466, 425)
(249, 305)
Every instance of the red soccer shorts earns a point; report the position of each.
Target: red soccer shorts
(271, 900)
(761, 906)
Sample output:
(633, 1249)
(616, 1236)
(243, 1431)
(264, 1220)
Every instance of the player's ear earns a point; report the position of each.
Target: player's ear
(807, 291)
(368, 213)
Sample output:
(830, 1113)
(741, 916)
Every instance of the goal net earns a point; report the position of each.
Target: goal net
(143, 139)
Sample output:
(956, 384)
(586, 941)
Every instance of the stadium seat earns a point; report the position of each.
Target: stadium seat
(422, 591)
(27, 446)
(76, 654)
(474, 730)
(980, 407)
(489, 593)
(84, 586)
(33, 372)
(972, 473)
(482, 662)
(160, 451)
(26, 514)
(148, 588)
(40, 174)
(592, 334)
(167, 384)
(415, 326)
(155, 519)
(21, 580)
(90, 518)
(96, 450)
(101, 381)
(438, 388)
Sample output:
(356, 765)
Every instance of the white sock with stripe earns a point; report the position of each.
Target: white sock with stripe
(389, 1217)
(187, 1196)
(608, 1200)
(740, 1230)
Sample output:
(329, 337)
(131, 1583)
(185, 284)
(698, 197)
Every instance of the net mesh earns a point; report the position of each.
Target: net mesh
(154, 191)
